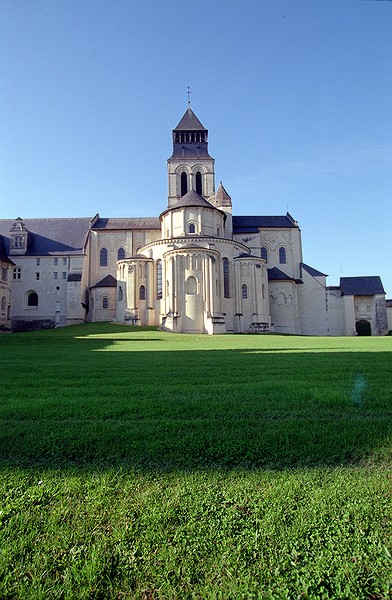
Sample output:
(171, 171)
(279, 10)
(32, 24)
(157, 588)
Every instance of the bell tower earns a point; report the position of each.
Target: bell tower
(190, 167)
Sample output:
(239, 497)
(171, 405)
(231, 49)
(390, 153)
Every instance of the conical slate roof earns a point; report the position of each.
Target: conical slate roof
(222, 198)
(192, 198)
(189, 122)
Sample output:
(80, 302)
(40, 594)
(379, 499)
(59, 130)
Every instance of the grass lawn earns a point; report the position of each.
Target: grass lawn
(140, 464)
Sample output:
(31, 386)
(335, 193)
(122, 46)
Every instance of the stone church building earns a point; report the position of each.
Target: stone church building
(196, 268)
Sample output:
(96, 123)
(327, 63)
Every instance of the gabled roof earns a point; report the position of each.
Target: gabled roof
(252, 224)
(361, 286)
(311, 271)
(189, 122)
(135, 223)
(108, 281)
(276, 274)
(50, 236)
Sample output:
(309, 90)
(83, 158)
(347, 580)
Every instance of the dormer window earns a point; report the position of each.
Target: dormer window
(18, 241)
(191, 228)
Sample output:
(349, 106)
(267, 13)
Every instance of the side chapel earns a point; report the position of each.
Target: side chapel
(196, 268)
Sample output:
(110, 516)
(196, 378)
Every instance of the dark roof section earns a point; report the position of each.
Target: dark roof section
(190, 138)
(135, 223)
(311, 271)
(3, 253)
(249, 224)
(191, 198)
(50, 236)
(361, 286)
(189, 122)
(221, 197)
(108, 281)
(276, 274)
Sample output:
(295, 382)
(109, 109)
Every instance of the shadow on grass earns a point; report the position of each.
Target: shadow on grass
(194, 409)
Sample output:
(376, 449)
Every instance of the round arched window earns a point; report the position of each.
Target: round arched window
(32, 299)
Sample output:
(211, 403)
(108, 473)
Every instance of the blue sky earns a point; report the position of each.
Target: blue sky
(296, 97)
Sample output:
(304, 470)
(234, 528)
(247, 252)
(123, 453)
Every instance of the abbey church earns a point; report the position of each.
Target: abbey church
(195, 268)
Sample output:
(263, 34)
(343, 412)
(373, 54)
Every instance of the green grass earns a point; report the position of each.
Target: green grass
(140, 464)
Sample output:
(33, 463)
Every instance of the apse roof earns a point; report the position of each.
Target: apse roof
(361, 286)
(189, 122)
(192, 198)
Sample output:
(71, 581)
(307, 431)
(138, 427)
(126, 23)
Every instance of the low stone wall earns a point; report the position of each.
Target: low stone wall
(33, 325)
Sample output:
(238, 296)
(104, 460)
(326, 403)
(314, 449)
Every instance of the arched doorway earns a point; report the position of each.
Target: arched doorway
(363, 327)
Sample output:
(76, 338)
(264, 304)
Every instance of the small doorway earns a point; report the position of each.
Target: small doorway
(363, 327)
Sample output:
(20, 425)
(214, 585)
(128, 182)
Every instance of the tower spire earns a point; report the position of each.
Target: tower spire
(189, 96)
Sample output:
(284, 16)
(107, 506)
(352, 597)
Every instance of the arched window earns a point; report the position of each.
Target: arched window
(103, 257)
(120, 294)
(3, 305)
(191, 228)
(191, 286)
(105, 302)
(282, 255)
(199, 187)
(244, 291)
(264, 253)
(159, 279)
(217, 232)
(120, 254)
(32, 299)
(184, 183)
(281, 298)
(142, 293)
(226, 278)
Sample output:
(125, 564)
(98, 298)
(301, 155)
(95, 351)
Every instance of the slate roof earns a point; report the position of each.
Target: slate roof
(222, 197)
(189, 122)
(312, 271)
(50, 236)
(3, 253)
(250, 224)
(361, 286)
(135, 223)
(276, 274)
(108, 281)
(191, 198)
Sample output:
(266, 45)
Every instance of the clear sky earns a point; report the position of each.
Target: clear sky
(296, 97)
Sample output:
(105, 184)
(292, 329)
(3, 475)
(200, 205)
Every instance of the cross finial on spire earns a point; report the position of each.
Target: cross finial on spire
(189, 96)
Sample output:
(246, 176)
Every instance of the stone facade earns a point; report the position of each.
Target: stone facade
(196, 268)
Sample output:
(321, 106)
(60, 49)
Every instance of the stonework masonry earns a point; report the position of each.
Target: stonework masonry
(195, 268)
